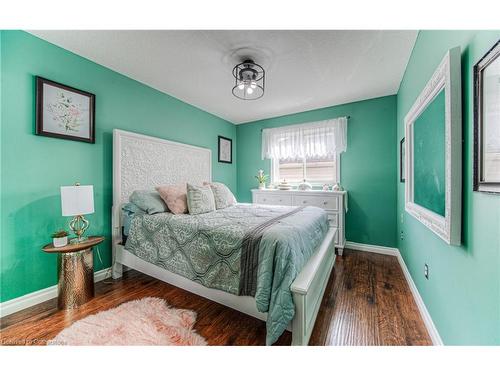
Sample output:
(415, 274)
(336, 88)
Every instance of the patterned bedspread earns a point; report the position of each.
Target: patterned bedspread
(206, 248)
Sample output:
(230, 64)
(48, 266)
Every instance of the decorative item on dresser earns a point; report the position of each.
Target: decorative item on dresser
(284, 185)
(75, 272)
(261, 178)
(334, 202)
(304, 185)
(337, 187)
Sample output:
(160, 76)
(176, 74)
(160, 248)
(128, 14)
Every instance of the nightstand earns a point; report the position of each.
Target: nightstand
(75, 272)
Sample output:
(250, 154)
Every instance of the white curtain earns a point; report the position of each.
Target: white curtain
(318, 140)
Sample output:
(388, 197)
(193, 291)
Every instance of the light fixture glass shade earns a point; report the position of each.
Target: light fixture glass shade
(249, 80)
(77, 200)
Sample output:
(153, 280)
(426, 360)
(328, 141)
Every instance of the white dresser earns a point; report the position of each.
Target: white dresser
(333, 202)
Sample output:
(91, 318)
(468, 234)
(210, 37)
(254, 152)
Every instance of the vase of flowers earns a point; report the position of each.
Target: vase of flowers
(261, 178)
(60, 238)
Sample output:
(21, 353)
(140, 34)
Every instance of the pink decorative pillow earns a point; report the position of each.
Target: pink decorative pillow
(175, 197)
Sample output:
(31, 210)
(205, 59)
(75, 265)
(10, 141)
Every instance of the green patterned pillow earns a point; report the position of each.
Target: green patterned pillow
(223, 196)
(149, 201)
(200, 199)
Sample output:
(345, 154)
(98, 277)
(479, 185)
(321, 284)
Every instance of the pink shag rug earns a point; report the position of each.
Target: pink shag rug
(148, 321)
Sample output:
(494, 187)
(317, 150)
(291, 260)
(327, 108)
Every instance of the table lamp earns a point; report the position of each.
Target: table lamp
(77, 200)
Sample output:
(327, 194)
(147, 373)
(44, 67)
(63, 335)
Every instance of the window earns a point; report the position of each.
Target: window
(308, 152)
(314, 171)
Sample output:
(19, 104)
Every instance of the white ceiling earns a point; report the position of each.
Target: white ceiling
(304, 69)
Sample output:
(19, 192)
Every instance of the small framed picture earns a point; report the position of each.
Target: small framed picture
(225, 150)
(402, 160)
(64, 112)
(487, 122)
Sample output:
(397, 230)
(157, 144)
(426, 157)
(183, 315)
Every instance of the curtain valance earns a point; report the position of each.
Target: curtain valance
(318, 140)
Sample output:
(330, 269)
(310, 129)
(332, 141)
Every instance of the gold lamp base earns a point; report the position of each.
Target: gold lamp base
(79, 225)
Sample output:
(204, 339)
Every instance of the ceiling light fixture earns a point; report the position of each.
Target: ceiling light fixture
(250, 80)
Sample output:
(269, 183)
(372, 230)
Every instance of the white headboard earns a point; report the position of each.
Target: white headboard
(143, 162)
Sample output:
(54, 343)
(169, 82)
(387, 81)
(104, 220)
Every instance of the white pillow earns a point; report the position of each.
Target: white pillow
(223, 196)
(200, 199)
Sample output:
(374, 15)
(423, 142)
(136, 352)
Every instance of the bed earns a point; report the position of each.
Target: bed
(204, 254)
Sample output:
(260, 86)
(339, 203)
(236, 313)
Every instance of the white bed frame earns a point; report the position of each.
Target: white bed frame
(142, 162)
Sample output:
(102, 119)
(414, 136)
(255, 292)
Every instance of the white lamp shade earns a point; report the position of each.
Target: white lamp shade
(77, 200)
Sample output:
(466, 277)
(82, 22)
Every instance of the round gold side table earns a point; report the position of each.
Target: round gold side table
(75, 272)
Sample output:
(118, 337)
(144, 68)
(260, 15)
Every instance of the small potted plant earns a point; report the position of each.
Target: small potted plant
(60, 238)
(262, 178)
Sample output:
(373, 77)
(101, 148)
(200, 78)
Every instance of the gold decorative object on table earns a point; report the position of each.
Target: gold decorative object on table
(77, 200)
(75, 272)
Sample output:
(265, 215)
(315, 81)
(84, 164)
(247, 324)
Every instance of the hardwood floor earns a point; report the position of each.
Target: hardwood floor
(367, 302)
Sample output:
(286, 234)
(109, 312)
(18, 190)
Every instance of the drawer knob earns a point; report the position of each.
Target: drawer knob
(264, 199)
(325, 203)
(304, 202)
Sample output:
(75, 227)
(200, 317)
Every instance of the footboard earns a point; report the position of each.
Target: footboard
(309, 287)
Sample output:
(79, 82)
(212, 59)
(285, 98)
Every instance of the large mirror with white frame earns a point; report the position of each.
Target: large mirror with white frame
(433, 131)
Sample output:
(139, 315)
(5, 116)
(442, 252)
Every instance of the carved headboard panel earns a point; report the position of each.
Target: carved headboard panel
(143, 162)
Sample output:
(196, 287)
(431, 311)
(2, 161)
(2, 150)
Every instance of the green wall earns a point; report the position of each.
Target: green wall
(463, 290)
(368, 168)
(33, 167)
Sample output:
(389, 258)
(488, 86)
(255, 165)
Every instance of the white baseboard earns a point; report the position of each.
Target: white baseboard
(372, 248)
(426, 317)
(31, 299)
(429, 324)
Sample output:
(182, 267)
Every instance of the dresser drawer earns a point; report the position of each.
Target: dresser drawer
(273, 199)
(328, 203)
(333, 220)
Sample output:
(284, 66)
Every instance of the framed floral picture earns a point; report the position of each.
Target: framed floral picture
(64, 112)
(487, 122)
(225, 150)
